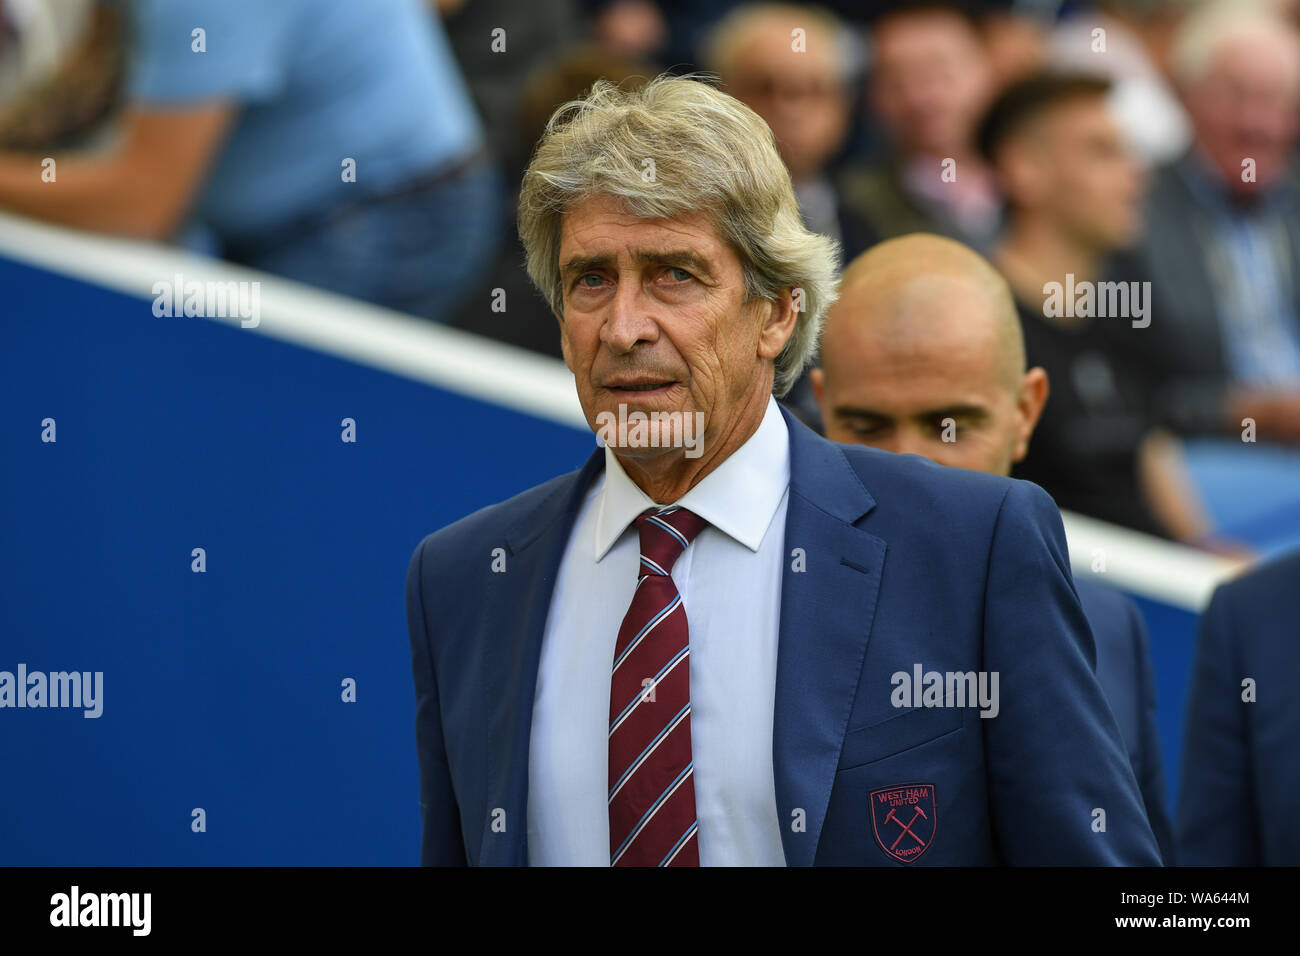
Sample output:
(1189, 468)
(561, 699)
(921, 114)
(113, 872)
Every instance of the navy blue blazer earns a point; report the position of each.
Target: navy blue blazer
(906, 563)
(1239, 802)
(1127, 678)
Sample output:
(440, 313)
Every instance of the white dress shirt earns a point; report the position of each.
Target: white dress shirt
(730, 582)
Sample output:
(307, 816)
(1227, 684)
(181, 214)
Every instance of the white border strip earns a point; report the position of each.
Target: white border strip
(503, 375)
(1144, 565)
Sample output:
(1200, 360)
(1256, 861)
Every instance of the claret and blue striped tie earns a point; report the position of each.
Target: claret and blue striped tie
(651, 774)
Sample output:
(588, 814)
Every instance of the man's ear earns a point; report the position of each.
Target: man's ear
(779, 324)
(1031, 398)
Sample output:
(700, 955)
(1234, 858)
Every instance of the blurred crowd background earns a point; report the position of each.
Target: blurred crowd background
(375, 149)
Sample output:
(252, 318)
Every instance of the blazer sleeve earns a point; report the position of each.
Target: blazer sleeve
(1151, 771)
(1216, 807)
(1061, 788)
(442, 844)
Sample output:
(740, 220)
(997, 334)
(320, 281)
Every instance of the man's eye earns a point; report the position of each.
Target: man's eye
(681, 275)
(583, 280)
(864, 430)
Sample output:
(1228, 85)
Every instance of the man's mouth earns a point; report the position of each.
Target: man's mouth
(640, 386)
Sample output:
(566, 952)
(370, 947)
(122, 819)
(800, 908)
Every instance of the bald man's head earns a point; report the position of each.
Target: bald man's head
(923, 353)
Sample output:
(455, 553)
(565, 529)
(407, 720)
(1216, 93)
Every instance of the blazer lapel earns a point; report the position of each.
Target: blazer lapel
(535, 547)
(827, 606)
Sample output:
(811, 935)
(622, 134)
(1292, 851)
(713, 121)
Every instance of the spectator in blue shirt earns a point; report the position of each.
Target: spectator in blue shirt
(327, 141)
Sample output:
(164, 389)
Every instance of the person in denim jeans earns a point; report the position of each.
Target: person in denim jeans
(417, 250)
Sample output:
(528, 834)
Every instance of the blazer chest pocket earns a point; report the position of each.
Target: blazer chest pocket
(912, 728)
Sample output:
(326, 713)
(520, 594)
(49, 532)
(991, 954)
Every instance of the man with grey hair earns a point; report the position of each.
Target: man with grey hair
(725, 639)
(1223, 248)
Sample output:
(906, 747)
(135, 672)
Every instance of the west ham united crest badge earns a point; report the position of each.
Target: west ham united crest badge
(904, 819)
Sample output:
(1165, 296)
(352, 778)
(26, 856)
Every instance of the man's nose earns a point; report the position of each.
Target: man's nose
(629, 320)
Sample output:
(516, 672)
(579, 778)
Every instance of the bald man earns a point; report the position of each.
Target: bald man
(923, 354)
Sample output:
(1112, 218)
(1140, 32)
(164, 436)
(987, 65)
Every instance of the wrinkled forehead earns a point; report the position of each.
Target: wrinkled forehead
(608, 229)
(913, 383)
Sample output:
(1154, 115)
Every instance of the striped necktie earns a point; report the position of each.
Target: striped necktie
(651, 781)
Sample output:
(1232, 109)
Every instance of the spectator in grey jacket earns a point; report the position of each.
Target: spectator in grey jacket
(1223, 244)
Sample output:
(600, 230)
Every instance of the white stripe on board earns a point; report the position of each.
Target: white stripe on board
(296, 313)
(1144, 565)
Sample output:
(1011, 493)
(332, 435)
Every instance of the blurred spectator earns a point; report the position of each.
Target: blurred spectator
(799, 83)
(672, 34)
(1131, 50)
(499, 45)
(668, 34)
(330, 142)
(633, 29)
(1015, 39)
(60, 71)
(924, 355)
(1073, 198)
(930, 81)
(505, 304)
(570, 77)
(1223, 242)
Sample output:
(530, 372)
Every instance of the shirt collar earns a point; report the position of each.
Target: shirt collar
(739, 497)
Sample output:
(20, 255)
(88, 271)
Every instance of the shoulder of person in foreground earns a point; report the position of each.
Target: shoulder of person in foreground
(443, 552)
(949, 502)
(1127, 677)
(1217, 770)
(1062, 789)
(444, 594)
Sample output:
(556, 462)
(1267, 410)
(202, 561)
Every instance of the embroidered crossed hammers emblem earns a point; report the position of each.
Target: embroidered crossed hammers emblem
(907, 827)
